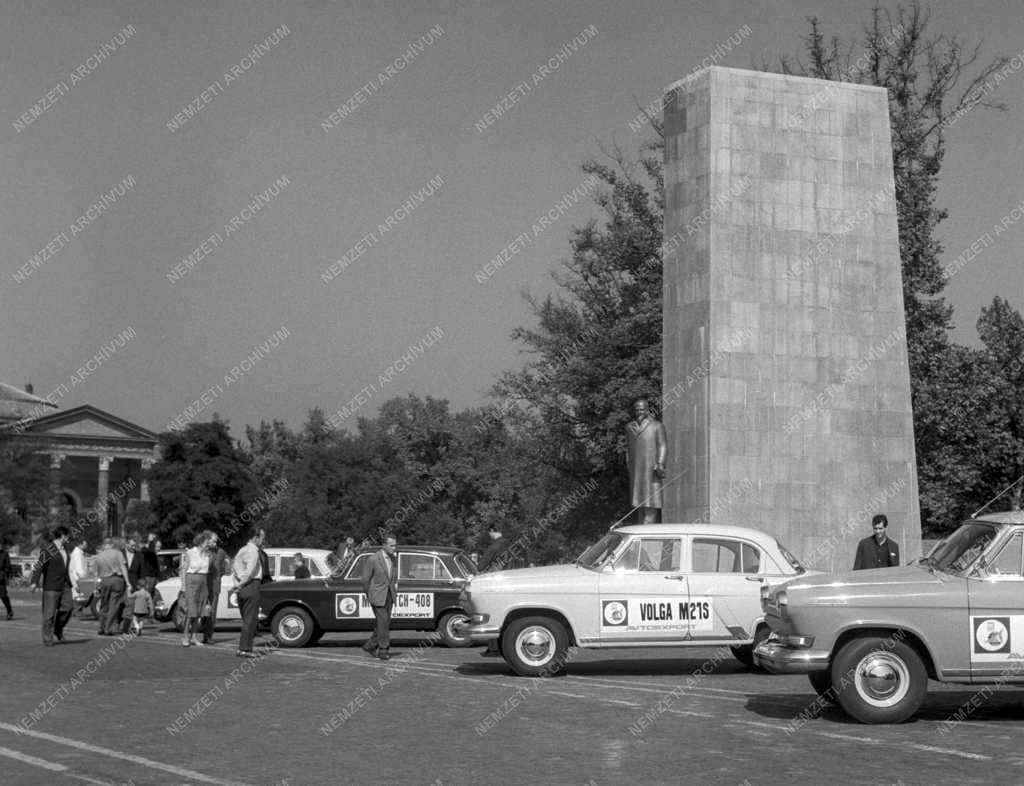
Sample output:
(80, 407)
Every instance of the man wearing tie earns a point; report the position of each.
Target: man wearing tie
(248, 571)
(380, 583)
(56, 583)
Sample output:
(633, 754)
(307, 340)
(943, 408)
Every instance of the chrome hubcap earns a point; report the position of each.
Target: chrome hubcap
(291, 627)
(535, 645)
(882, 679)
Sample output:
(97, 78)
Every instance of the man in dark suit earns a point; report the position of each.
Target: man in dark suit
(5, 571)
(877, 551)
(52, 576)
(494, 557)
(380, 583)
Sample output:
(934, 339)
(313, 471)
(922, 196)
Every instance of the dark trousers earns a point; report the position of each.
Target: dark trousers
(211, 621)
(57, 607)
(4, 597)
(380, 639)
(111, 603)
(249, 607)
(149, 582)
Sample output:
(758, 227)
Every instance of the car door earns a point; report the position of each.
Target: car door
(420, 579)
(643, 594)
(727, 572)
(995, 592)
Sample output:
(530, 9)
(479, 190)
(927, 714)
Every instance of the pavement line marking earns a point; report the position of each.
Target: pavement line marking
(667, 689)
(24, 757)
(874, 741)
(141, 760)
(684, 674)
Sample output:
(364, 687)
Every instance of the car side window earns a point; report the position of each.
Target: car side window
(751, 559)
(315, 571)
(716, 555)
(1009, 560)
(659, 555)
(355, 570)
(287, 567)
(421, 567)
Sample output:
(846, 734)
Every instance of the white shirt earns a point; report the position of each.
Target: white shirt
(76, 567)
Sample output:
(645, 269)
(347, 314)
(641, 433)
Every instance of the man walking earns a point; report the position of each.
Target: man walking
(112, 572)
(877, 551)
(5, 571)
(248, 574)
(380, 583)
(56, 584)
(150, 564)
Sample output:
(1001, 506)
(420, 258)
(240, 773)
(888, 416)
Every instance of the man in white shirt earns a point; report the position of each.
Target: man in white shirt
(247, 571)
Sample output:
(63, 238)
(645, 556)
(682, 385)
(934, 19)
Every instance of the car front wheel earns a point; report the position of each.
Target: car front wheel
(879, 680)
(293, 627)
(535, 646)
(449, 628)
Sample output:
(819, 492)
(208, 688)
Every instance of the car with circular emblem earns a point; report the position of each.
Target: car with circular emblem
(430, 580)
(870, 640)
(649, 585)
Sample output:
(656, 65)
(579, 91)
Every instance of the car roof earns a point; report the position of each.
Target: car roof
(697, 529)
(1003, 517)
(402, 547)
(288, 552)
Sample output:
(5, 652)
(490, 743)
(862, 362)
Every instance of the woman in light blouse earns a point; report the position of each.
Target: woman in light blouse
(195, 564)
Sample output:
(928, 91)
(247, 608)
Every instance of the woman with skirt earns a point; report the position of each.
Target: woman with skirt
(195, 564)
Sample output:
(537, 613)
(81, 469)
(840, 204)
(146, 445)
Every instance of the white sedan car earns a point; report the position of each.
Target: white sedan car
(281, 569)
(651, 585)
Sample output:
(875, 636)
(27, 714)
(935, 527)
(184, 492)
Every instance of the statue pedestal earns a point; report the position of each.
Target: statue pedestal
(786, 385)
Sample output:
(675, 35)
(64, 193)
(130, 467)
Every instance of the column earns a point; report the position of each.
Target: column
(144, 485)
(102, 491)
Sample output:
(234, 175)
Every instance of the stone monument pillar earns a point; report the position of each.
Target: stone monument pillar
(786, 384)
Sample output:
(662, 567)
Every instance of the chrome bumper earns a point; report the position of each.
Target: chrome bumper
(482, 634)
(779, 659)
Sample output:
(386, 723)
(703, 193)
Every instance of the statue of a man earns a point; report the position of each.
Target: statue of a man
(647, 448)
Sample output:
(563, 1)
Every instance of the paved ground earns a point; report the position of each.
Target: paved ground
(148, 711)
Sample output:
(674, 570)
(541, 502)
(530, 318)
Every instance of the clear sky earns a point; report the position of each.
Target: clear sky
(330, 137)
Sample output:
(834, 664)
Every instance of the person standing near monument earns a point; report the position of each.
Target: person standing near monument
(5, 571)
(248, 574)
(877, 551)
(646, 451)
(380, 583)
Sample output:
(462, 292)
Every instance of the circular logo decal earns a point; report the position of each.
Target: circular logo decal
(347, 606)
(991, 635)
(614, 613)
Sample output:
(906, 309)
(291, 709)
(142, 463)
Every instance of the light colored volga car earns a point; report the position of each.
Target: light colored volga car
(870, 639)
(281, 568)
(653, 585)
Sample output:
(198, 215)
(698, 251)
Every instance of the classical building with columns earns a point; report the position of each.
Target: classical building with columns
(97, 459)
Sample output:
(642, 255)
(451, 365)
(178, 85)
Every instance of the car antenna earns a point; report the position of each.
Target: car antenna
(632, 510)
(997, 496)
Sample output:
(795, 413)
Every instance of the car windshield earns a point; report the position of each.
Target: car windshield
(958, 552)
(595, 556)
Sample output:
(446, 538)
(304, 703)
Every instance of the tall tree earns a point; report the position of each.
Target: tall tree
(24, 489)
(1001, 329)
(597, 344)
(202, 481)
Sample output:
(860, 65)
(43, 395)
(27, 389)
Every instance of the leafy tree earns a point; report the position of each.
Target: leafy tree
(1001, 329)
(597, 345)
(25, 494)
(202, 481)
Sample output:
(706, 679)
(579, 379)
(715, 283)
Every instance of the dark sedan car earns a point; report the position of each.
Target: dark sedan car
(430, 579)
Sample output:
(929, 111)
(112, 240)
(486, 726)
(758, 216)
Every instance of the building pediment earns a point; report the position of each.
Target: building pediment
(88, 423)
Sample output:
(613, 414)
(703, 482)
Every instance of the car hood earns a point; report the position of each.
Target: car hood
(530, 578)
(879, 584)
